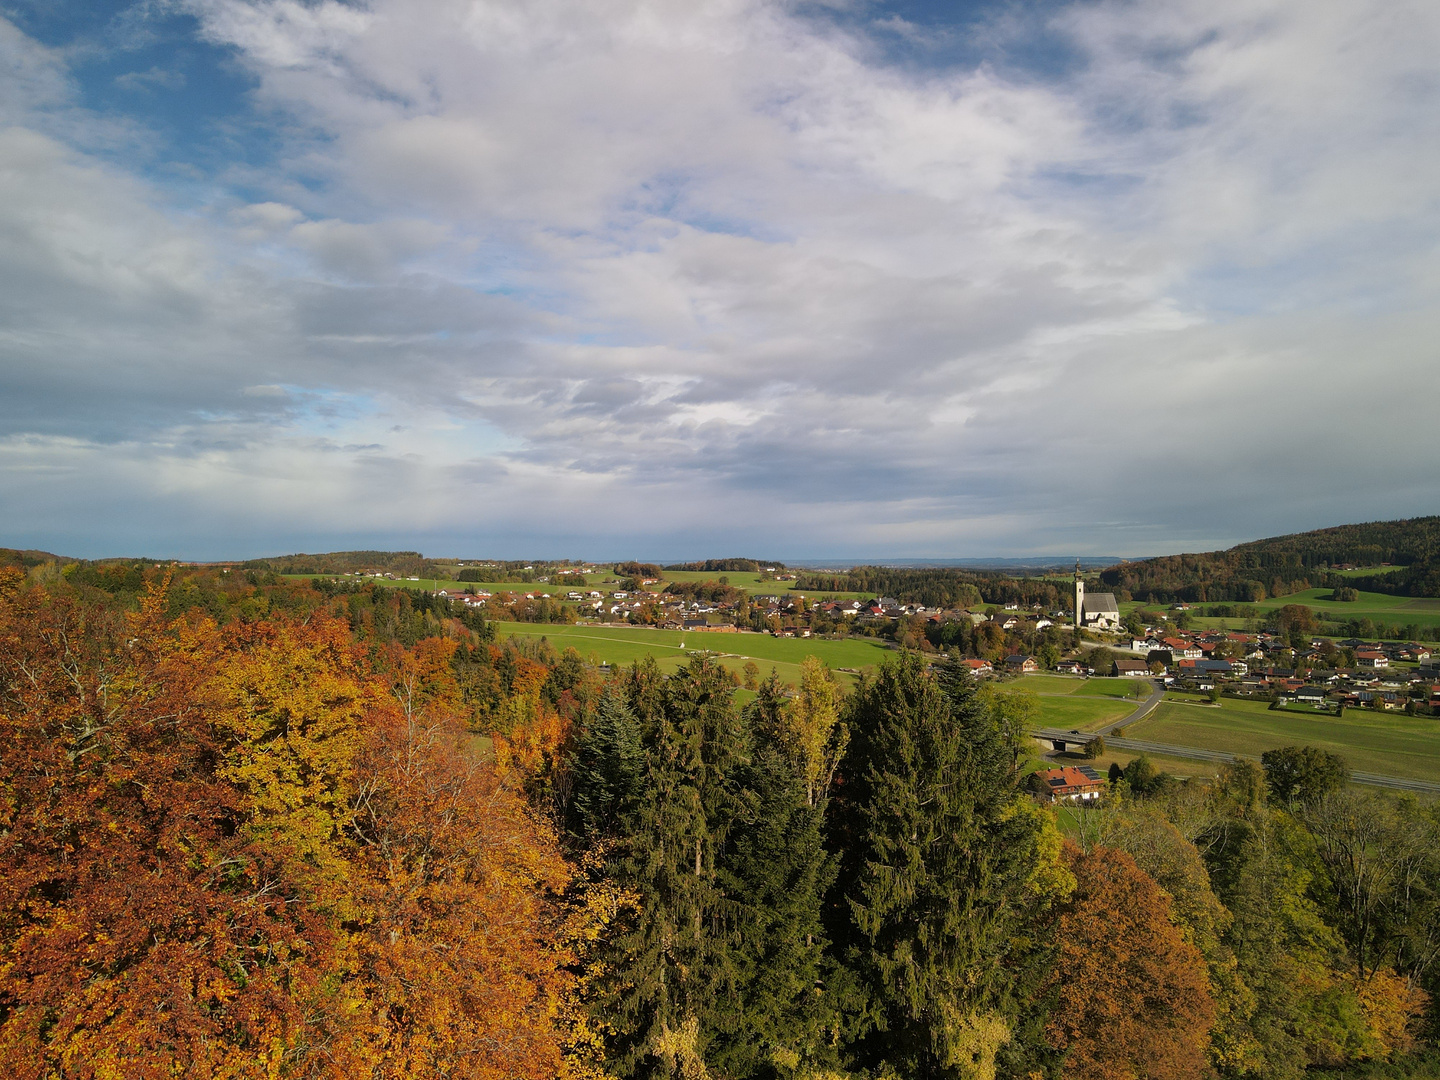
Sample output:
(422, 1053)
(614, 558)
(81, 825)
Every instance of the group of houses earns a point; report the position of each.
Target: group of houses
(1268, 667)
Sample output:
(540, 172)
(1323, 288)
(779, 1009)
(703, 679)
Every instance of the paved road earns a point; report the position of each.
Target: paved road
(1157, 695)
(1195, 753)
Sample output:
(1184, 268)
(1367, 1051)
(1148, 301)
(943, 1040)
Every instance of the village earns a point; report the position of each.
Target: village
(1318, 672)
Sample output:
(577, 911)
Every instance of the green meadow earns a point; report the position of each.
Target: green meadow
(673, 648)
(1388, 743)
(1377, 607)
(1071, 702)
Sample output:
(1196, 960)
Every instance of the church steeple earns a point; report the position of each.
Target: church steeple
(1079, 597)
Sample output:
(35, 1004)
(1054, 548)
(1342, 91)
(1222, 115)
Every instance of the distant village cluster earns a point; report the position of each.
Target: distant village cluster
(1319, 672)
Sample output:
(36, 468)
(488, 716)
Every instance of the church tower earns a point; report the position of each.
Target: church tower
(1079, 597)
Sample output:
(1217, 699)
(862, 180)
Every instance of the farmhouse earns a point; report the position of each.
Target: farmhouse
(1182, 649)
(1021, 665)
(1133, 669)
(1078, 783)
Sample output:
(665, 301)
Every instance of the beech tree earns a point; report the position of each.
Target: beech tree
(260, 850)
(1133, 995)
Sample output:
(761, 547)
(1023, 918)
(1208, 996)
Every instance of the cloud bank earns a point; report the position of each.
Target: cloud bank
(667, 279)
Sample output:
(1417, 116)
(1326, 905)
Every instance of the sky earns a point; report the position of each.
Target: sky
(638, 278)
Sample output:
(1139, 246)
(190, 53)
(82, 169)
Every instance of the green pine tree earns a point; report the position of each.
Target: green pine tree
(606, 768)
(671, 967)
(941, 863)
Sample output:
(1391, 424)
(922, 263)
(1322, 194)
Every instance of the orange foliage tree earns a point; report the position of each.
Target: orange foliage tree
(261, 851)
(142, 931)
(1133, 996)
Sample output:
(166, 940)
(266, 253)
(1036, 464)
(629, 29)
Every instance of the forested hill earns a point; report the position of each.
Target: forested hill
(407, 563)
(1282, 565)
(23, 560)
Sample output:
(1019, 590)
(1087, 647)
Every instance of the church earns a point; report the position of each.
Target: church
(1097, 611)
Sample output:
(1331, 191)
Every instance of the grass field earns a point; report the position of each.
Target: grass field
(672, 648)
(1070, 702)
(1377, 607)
(1388, 743)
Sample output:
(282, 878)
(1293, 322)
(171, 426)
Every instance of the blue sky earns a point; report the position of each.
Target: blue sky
(630, 277)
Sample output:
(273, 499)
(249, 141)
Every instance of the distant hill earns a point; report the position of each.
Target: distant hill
(1281, 565)
(1034, 564)
(406, 563)
(728, 566)
(24, 559)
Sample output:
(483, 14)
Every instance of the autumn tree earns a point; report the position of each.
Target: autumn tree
(805, 729)
(144, 932)
(1145, 832)
(261, 850)
(455, 940)
(1134, 997)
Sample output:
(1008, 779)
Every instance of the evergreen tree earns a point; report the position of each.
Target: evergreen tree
(774, 871)
(662, 978)
(942, 862)
(606, 768)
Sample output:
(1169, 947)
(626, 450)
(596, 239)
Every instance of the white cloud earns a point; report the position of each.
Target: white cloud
(579, 260)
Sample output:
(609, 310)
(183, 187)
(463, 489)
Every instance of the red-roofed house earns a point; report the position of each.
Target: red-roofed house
(1182, 649)
(1081, 783)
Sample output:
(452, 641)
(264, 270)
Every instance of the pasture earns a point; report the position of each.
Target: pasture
(1070, 702)
(673, 648)
(1388, 743)
(1377, 607)
(436, 584)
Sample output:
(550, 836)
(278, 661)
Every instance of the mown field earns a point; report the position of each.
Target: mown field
(1074, 703)
(673, 648)
(1388, 743)
(1377, 607)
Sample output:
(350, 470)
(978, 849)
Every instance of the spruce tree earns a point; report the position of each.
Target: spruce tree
(941, 857)
(670, 968)
(775, 870)
(606, 768)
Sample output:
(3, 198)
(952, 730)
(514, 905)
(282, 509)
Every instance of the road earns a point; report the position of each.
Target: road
(1195, 753)
(1157, 695)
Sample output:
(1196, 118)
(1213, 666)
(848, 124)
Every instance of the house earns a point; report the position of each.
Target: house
(1021, 665)
(1372, 659)
(1072, 783)
(1182, 649)
(1131, 669)
(1072, 667)
(977, 667)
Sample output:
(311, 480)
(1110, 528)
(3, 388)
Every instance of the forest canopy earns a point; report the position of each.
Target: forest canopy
(257, 827)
